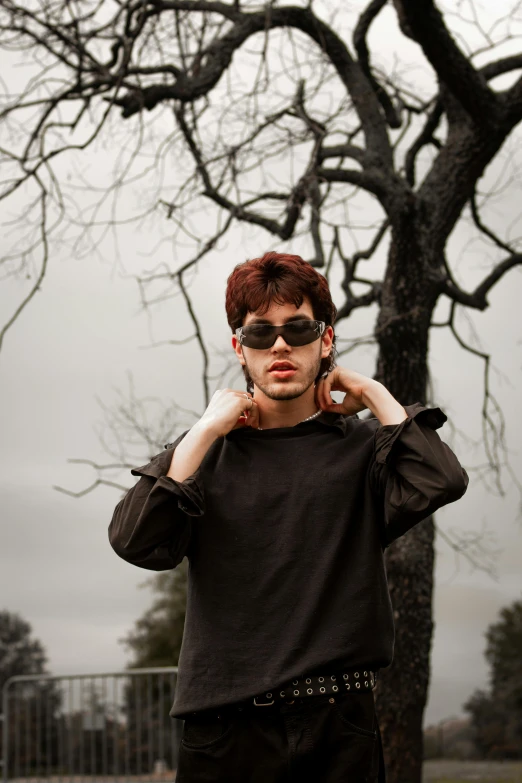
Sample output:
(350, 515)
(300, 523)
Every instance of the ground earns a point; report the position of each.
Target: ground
(442, 771)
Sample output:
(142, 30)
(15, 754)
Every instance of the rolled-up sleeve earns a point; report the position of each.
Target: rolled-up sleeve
(413, 471)
(151, 525)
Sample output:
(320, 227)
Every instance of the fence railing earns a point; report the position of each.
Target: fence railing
(104, 727)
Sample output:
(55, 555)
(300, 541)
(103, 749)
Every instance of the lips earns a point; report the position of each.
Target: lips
(281, 366)
(282, 370)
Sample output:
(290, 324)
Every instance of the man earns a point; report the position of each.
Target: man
(284, 502)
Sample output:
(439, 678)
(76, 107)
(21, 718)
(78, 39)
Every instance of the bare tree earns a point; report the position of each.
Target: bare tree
(280, 117)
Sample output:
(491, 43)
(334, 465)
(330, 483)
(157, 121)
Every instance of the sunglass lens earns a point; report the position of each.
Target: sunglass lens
(299, 332)
(294, 333)
(258, 336)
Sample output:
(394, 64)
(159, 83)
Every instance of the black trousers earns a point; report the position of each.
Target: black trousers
(324, 739)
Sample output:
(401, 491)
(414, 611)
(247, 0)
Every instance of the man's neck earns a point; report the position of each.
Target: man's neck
(284, 413)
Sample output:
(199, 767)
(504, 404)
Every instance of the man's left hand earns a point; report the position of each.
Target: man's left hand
(360, 392)
(341, 379)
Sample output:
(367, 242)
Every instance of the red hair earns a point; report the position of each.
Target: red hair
(278, 278)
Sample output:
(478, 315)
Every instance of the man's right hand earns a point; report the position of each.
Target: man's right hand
(225, 412)
(228, 410)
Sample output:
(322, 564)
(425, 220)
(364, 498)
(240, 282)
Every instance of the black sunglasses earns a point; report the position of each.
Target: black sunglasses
(294, 333)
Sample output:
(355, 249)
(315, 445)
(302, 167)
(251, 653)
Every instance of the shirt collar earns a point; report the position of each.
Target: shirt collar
(336, 420)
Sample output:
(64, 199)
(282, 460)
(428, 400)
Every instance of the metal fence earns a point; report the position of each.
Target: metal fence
(103, 727)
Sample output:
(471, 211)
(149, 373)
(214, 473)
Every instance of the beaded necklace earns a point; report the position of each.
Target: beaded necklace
(308, 418)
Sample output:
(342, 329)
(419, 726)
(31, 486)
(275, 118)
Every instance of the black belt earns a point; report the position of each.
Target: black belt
(318, 685)
(346, 681)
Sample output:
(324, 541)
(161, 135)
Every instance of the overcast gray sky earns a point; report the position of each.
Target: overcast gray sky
(56, 567)
(75, 344)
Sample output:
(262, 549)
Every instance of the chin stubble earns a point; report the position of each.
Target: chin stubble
(283, 393)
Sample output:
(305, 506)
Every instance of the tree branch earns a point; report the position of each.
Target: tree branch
(236, 210)
(199, 337)
(513, 102)
(469, 544)
(367, 180)
(493, 433)
(343, 151)
(425, 137)
(359, 41)
(390, 190)
(91, 488)
(353, 302)
(350, 268)
(499, 67)
(478, 299)
(423, 22)
(484, 229)
(44, 238)
(215, 59)
(305, 190)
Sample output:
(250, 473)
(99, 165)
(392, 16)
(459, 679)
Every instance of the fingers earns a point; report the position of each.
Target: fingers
(247, 403)
(248, 410)
(323, 396)
(250, 417)
(239, 392)
(229, 409)
(242, 398)
(319, 393)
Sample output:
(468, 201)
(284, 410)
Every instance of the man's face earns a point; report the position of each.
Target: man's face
(303, 361)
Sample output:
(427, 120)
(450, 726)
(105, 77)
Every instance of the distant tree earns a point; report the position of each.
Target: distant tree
(156, 637)
(449, 739)
(34, 705)
(504, 651)
(497, 715)
(487, 722)
(19, 652)
(154, 641)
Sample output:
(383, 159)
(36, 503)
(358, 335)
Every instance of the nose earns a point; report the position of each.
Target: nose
(280, 344)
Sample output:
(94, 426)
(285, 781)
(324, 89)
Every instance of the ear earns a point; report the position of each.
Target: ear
(327, 341)
(236, 345)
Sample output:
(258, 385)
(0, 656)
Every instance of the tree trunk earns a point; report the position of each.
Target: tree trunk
(402, 689)
(408, 299)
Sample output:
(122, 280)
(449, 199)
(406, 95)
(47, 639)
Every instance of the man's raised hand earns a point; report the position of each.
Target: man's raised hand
(228, 410)
(341, 379)
(360, 392)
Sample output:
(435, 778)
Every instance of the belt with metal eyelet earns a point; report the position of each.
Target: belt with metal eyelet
(318, 685)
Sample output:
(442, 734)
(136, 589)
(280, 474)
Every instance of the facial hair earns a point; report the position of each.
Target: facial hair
(285, 391)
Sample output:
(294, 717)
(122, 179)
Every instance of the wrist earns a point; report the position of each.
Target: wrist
(371, 392)
(206, 430)
(382, 404)
(190, 452)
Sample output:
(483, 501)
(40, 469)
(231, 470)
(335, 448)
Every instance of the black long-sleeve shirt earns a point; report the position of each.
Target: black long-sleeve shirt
(284, 530)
